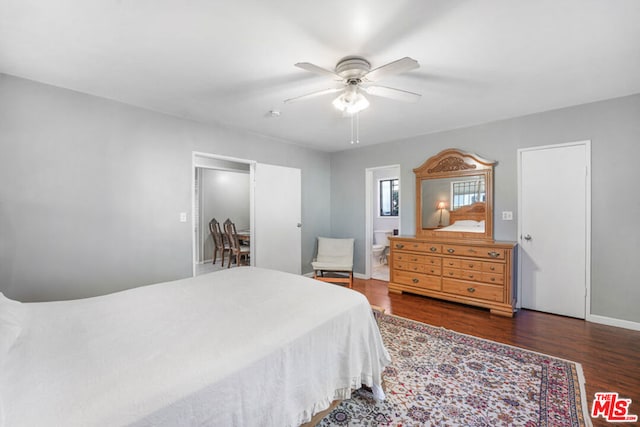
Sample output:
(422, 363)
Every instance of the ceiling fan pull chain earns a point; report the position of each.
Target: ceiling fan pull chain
(352, 128)
(357, 128)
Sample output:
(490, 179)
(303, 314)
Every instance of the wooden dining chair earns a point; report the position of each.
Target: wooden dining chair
(221, 243)
(240, 251)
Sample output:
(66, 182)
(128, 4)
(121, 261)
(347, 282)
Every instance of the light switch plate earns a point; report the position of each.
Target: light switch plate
(507, 215)
(183, 217)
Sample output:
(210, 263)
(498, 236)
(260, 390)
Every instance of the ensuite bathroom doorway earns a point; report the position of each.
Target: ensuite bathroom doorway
(382, 219)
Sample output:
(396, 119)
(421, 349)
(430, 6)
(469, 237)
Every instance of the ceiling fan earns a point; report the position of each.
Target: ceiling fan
(356, 77)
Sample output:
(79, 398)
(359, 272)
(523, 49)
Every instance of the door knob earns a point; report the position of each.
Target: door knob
(299, 225)
(527, 237)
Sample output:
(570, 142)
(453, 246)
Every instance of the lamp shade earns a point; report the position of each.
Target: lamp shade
(441, 205)
(351, 101)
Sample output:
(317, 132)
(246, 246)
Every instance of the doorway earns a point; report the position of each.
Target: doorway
(221, 189)
(554, 223)
(382, 217)
(275, 206)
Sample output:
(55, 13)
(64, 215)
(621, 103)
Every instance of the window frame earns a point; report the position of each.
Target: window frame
(394, 190)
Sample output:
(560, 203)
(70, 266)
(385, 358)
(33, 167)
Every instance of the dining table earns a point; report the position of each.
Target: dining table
(244, 236)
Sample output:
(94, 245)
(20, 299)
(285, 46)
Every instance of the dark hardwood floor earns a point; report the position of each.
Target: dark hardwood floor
(610, 356)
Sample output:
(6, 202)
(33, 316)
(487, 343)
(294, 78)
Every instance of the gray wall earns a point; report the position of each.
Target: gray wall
(91, 190)
(613, 127)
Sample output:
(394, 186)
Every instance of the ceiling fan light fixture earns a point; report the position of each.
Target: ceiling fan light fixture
(351, 101)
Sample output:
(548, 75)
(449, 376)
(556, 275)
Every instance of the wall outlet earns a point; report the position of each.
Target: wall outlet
(507, 215)
(183, 217)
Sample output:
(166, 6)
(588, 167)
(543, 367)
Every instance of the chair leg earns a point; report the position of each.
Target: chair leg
(215, 254)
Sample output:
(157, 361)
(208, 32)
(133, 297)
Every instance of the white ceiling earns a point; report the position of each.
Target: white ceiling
(231, 62)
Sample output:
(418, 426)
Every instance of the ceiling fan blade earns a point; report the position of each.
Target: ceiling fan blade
(318, 70)
(392, 93)
(395, 67)
(313, 94)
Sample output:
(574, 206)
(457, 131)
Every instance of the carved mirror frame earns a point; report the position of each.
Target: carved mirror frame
(453, 163)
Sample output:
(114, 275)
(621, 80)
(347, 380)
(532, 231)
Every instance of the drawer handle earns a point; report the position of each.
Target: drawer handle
(471, 277)
(451, 273)
(492, 268)
(432, 270)
(433, 249)
(450, 263)
(451, 250)
(493, 254)
(414, 280)
(472, 290)
(470, 265)
(399, 245)
(493, 279)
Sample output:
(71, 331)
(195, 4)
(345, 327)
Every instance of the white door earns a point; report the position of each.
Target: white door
(277, 236)
(554, 221)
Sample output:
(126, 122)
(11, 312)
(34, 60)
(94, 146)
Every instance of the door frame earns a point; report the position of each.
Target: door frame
(587, 145)
(368, 222)
(195, 164)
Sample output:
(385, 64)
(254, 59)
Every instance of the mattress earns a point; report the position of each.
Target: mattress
(239, 347)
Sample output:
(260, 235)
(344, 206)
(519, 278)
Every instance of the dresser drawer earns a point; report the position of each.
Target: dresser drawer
(493, 267)
(407, 257)
(432, 269)
(452, 263)
(416, 279)
(471, 265)
(434, 261)
(474, 251)
(475, 290)
(471, 275)
(418, 247)
(409, 266)
(498, 279)
(451, 272)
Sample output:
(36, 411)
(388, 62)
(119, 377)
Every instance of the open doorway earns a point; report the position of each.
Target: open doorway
(221, 189)
(382, 217)
(275, 209)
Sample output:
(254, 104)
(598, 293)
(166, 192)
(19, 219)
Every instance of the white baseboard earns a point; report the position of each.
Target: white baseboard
(610, 321)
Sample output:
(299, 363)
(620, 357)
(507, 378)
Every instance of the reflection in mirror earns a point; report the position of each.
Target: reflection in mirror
(454, 197)
(442, 197)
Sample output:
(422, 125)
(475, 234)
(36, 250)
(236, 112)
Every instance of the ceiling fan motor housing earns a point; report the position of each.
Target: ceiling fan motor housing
(352, 67)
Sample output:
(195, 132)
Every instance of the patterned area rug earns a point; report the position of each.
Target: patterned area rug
(441, 378)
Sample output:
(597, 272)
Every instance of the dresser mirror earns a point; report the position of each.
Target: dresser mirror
(454, 197)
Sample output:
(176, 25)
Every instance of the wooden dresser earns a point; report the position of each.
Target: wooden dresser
(480, 274)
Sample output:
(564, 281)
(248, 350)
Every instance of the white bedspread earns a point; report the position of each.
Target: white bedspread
(467, 226)
(240, 347)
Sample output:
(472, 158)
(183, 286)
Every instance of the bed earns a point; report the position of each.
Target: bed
(239, 347)
(467, 219)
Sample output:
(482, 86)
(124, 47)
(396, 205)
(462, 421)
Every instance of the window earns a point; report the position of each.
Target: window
(465, 193)
(389, 197)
